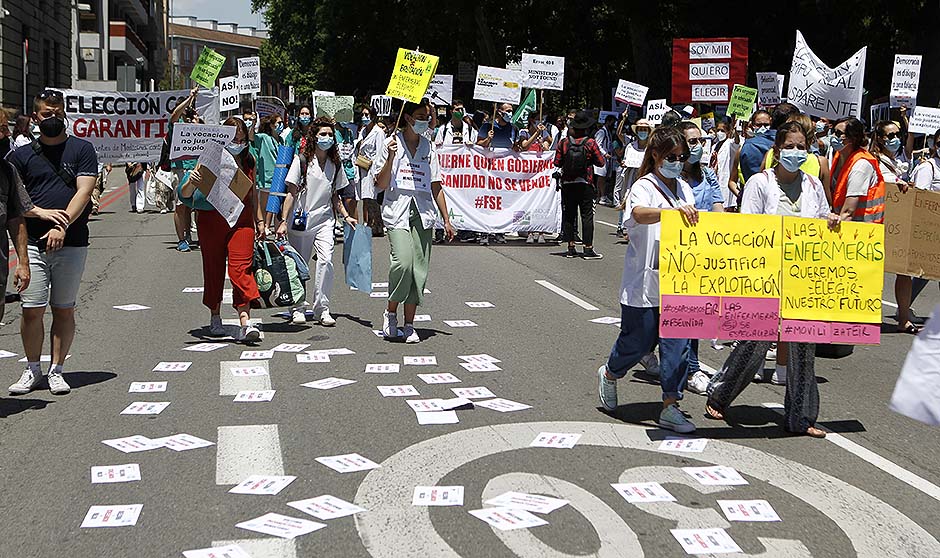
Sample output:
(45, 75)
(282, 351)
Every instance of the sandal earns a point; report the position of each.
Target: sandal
(713, 413)
(909, 328)
(814, 432)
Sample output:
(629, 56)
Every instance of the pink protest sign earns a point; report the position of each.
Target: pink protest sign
(855, 334)
(749, 319)
(802, 331)
(689, 317)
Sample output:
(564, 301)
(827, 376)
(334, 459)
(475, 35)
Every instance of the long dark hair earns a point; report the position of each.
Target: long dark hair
(300, 130)
(854, 130)
(267, 126)
(663, 140)
(879, 139)
(310, 148)
(23, 127)
(696, 171)
(244, 159)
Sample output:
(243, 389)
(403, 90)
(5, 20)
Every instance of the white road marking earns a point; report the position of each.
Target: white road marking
(247, 450)
(611, 225)
(873, 458)
(264, 548)
(230, 384)
(565, 294)
(891, 304)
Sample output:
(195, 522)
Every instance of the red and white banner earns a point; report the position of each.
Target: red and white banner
(705, 70)
(500, 190)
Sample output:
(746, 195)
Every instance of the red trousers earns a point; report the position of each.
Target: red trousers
(218, 242)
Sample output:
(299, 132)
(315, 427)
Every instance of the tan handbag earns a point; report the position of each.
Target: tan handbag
(363, 162)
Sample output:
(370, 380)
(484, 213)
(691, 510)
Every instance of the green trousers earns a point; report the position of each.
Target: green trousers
(409, 260)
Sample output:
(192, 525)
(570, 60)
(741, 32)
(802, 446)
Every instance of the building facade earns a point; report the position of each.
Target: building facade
(35, 49)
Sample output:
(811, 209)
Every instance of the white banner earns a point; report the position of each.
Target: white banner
(129, 127)
(630, 93)
(543, 72)
(249, 74)
(441, 90)
(498, 85)
(500, 190)
(905, 80)
(228, 93)
(189, 140)
(768, 94)
(819, 90)
(925, 120)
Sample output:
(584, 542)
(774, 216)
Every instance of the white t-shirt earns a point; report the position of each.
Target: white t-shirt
(762, 195)
(861, 177)
(317, 198)
(725, 155)
(926, 175)
(20, 141)
(446, 136)
(639, 286)
(411, 180)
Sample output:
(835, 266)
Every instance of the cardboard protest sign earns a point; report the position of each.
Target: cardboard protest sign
(912, 233)
(411, 75)
(129, 127)
(498, 85)
(228, 94)
(249, 74)
(337, 108)
(704, 70)
(655, 109)
(767, 92)
(742, 101)
(924, 120)
(905, 80)
(630, 93)
(543, 72)
(221, 181)
(819, 90)
(382, 105)
(189, 140)
(441, 90)
(207, 68)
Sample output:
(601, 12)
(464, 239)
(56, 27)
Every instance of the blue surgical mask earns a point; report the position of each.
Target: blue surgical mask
(642, 135)
(893, 145)
(366, 121)
(820, 127)
(760, 130)
(235, 148)
(250, 123)
(421, 126)
(304, 120)
(836, 144)
(792, 159)
(695, 154)
(507, 116)
(670, 169)
(325, 143)
(279, 127)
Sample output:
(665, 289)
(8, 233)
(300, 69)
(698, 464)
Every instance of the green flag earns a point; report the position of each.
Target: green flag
(527, 106)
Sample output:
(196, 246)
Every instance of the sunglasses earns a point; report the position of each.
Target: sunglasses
(893, 135)
(49, 94)
(838, 133)
(673, 158)
(695, 141)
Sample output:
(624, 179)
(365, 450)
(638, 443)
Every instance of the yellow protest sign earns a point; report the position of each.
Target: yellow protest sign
(725, 254)
(832, 276)
(412, 74)
(207, 68)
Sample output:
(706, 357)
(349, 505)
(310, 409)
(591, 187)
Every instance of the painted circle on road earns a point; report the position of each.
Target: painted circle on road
(393, 527)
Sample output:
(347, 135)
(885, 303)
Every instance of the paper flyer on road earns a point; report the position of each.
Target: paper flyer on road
(205, 347)
(473, 392)
(455, 403)
(147, 387)
(107, 474)
(437, 496)
(328, 383)
(476, 366)
(132, 307)
(389, 368)
(248, 371)
(112, 516)
(530, 502)
(194, 290)
(279, 525)
(256, 355)
(436, 417)
(348, 463)
(145, 408)
(705, 541)
(642, 492)
(262, 484)
(748, 510)
(506, 519)
(290, 347)
(555, 440)
(716, 476)
(307, 358)
(479, 358)
(326, 507)
(131, 444)
(480, 304)
(398, 391)
(172, 367)
(183, 442)
(7, 354)
(503, 405)
(460, 323)
(422, 318)
(254, 396)
(420, 361)
(689, 445)
(606, 320)
(439, 378)
(227, 551)
(419, 405)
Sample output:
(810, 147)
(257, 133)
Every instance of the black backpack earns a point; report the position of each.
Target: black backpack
(575, 160)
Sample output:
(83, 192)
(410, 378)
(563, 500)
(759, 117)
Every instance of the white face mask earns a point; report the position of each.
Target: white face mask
(721, 136)
(670, 169)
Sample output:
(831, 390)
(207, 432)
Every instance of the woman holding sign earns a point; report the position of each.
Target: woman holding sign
(781, 190)
(660, 188)
(407, 170)
(220, 242)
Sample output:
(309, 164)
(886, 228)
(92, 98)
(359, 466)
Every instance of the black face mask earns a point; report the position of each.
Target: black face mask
(4, 147)
(52, 127)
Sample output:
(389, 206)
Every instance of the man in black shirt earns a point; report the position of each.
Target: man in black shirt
(59, 174)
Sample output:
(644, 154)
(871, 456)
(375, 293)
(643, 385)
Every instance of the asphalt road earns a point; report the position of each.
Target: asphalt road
(870, 490)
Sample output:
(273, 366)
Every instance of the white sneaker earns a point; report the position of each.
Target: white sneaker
(27, 383)
(216, 329)
(772, 353)
(672, 419)
(389, 325)
(249, 334)
(541, 239)
(698, 383)
(531, 238)
(651, 364)
(57, 384)
(326, 319)
(411, 336)
(298, 317)
(779, 377)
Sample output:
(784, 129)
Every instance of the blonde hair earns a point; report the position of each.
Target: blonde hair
(809, 129)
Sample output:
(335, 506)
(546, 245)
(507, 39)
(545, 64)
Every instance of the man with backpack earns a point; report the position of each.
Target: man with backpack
(576, 158)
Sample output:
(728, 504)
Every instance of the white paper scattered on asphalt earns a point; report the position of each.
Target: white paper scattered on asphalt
(326, 507)
(262, 484)
(334, 352)
(183, 442)
(444, 378)
(378, 294)
(390, 368)
(437, 496)
(382, 285)
(716, 476)
(112, 516)
(460, 323)
(473, 392)
(172, 366)
(427, 291)
(45, 358)
(290, 347)
(502, 405)
(606, 320)
(307, 358)
(422, 318)
(480, 367)
(555, 440)
(748, 510)
(194, 290)
(328, 383)
(529, 502)
(687, 445)
(348, 463)
(254, 396)
(506, 519)
(131, 444)
(419, 405)
(483, 357)
(481, 304)
(7, 354)
(398, 391)
(147, 387)
(107, 474)
(437, 417)
(245, 371)
(205, 347)
(256, 355)
(420, 360)
(228, 551)
(132, 307)
(455, 403)
(145, 408)
(640, 492)
(705, 541)
(279, 525)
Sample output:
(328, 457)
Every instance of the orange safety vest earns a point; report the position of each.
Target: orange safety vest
(871, 207)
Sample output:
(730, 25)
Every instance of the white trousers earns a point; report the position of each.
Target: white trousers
(319, 238)
(136, 190)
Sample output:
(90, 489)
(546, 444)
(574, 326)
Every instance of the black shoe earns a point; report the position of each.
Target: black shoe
(484, 240)
(572, 252)
(499, 238)
(590, 254)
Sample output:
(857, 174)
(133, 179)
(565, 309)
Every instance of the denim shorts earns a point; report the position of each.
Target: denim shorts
(54, 277)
